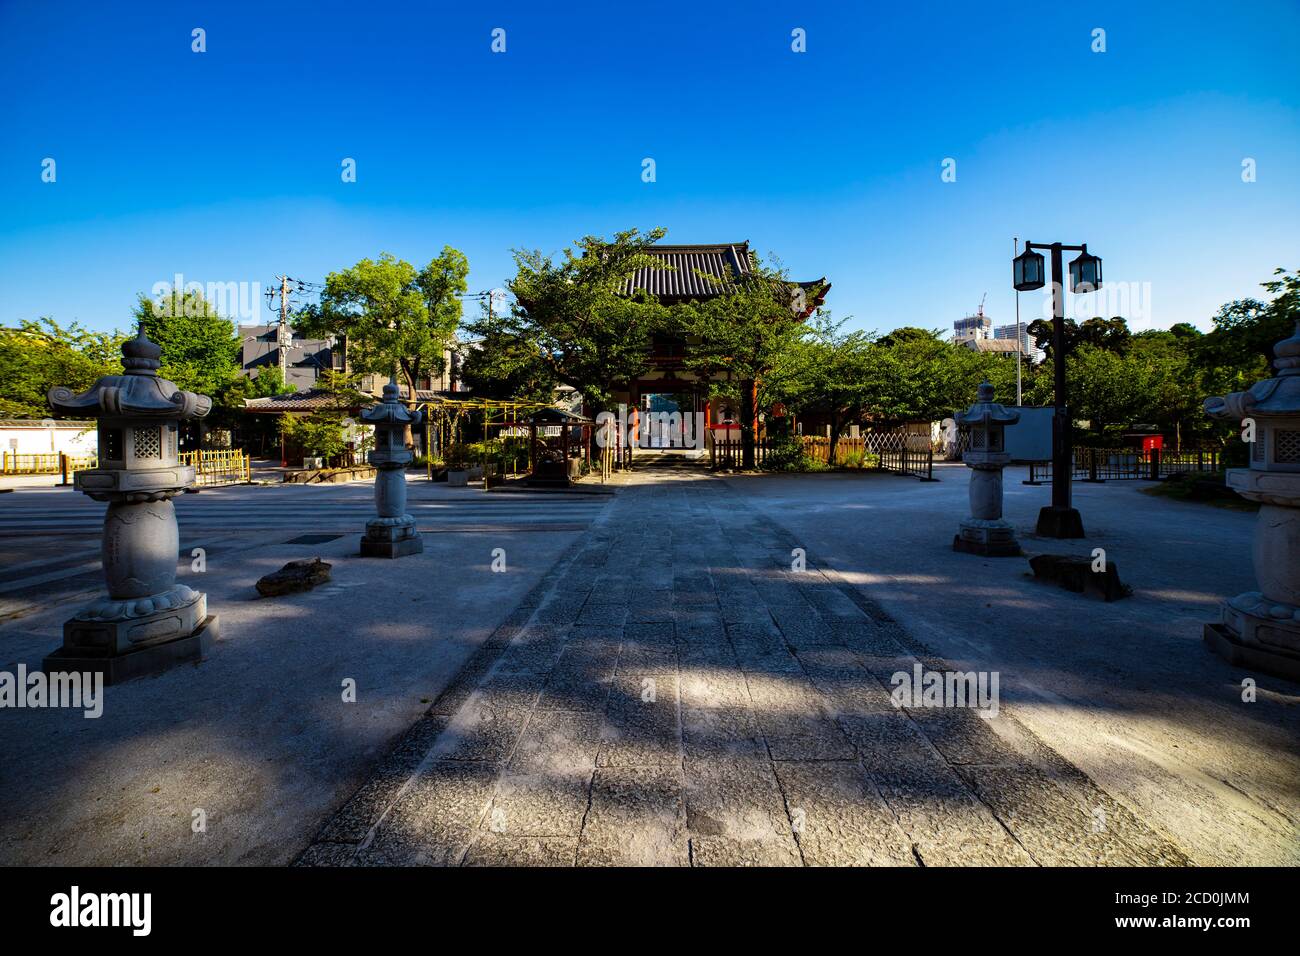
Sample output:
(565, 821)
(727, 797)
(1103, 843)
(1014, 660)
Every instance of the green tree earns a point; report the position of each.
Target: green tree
(832, 370)
(925, 378)
(573, 321)
(501, 366)
(200, 348)
(1172, 384)
(1108, 388)
(323, 433)
(737, 338)
(394, 318)
(1110, 334)
(41, 354)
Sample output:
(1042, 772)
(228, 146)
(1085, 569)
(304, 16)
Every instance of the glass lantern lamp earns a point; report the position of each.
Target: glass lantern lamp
(1085, 273)
(1027, 271)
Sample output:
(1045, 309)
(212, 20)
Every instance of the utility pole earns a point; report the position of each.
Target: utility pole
(1020, 340)
(283, 337)
(284, 333)
(485, 296)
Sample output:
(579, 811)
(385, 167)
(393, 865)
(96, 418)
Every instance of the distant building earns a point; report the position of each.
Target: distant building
(303, 359)
(1009, 332)
(978, 326)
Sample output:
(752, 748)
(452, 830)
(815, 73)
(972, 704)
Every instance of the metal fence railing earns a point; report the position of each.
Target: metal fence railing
(211, 466)
(896, 450)
(53, 463)
(1119, 464)
(218, 466)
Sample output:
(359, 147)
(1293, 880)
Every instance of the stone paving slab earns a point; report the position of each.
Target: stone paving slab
(675, 694)
(839, 817)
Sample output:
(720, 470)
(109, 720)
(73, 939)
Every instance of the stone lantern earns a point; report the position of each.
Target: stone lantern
(392, 533)
(1262, 628)
(147, 622)
(985, 532)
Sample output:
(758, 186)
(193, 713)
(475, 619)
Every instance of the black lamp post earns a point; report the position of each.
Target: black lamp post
(1060, 519)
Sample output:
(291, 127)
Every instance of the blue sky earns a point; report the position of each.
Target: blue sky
(224, 166)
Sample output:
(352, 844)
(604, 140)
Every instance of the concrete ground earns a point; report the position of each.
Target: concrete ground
(679, 695)
(14, 482)
(651, 683)
(1126, 691)
(258, 735)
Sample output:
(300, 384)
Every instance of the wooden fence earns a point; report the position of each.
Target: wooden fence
(1119, 464)
(727, 451)
(896, 450)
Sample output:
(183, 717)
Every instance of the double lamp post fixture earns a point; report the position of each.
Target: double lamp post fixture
(1060, 519)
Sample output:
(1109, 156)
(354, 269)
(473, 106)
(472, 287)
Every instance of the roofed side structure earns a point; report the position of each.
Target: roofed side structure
(292, 403)
(1004, 346)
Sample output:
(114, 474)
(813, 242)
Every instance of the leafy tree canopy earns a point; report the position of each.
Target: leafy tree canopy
(395, 318)
(200, 348)
(41, 354)
(572, 322)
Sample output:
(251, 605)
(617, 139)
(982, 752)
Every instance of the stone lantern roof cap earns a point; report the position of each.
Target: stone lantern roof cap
(985, 411)
(137, 392)
(390, 410)
(1271, 397)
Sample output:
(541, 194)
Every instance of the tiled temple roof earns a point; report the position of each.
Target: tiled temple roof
(721, 265)
(705, 271)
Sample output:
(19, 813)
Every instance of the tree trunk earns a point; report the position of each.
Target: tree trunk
(747, 425)
(835, 441)
(408, 437)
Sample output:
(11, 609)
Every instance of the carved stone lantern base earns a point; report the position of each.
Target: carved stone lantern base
(1261, 629)
(989, 538)
(391, 538)
(1260, 643)
(128, 639)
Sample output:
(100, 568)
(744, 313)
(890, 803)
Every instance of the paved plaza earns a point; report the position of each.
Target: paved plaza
(672, 693)
(257, 735)
(653, 682)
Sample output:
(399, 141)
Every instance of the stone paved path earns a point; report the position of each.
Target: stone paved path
(674, 694)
